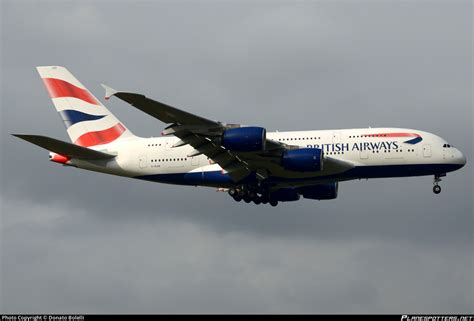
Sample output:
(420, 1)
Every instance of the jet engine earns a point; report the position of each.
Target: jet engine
(285, 195)
(303, 160)
(320, 192)
(244, 139)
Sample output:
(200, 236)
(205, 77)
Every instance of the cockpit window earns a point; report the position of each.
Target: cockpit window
(447, 146)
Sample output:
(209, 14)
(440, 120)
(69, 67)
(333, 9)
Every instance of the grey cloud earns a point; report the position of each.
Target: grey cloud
(177, 261)
(87, 242)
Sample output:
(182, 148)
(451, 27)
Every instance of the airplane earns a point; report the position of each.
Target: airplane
(247, 162)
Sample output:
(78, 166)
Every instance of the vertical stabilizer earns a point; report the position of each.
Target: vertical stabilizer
(88, 122)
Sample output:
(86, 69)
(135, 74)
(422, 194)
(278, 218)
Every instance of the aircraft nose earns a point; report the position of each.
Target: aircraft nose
(460, 158)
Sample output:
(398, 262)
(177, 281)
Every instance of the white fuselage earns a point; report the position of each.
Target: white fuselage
(374, 152)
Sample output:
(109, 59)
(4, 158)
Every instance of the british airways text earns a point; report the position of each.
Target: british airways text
(345, 147)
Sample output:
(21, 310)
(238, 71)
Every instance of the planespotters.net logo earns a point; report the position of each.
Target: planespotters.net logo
(437, 318)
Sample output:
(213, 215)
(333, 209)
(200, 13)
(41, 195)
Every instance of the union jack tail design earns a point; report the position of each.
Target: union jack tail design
(88, 122)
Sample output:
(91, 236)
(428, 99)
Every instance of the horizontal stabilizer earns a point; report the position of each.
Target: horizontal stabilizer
(63, 148)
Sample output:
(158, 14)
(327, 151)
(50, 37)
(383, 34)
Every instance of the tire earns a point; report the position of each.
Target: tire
(247, 199)
(232, 192)
(257, 201)
(237, 198)
(436, 189)
(273, 203)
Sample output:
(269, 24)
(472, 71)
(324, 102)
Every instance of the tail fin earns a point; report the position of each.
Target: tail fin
(87, 121)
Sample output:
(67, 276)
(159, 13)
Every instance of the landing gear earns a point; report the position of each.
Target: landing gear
(235, 194)
(232, 192)
(249, 194)
(257, 200)
(237, 198)
(436, 187)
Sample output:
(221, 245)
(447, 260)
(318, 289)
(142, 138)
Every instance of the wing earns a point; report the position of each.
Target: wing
(204, 136)
(163, 112)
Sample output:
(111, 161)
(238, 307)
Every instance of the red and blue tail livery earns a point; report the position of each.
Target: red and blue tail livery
(88, 122)
(249, 163)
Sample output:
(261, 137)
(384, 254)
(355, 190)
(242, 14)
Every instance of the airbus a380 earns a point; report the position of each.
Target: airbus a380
(246, 161)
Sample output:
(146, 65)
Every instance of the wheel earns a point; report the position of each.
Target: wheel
(257, 200)
(232, 192)
(247, 199)
(237, 198)
(436, 189)
(273, 203)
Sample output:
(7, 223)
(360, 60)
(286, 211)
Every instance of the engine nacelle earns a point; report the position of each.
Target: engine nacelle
(285, 195)
(320, 192)
(303, 160)
(244, 139)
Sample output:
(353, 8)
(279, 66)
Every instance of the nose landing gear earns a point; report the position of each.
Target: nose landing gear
(436, 187)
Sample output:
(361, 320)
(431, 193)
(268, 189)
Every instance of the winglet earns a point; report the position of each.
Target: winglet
(109, 92)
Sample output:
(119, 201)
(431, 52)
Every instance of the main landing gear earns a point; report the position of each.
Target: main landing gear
(436, 187)
(249, 194)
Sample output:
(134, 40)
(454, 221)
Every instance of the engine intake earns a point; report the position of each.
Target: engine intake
(303, 160)
(244, 139)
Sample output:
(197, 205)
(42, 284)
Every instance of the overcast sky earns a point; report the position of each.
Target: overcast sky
(77, 241)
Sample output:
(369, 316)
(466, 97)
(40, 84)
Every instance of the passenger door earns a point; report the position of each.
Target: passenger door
(142, 161)
(427, 150)
(168, 144)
